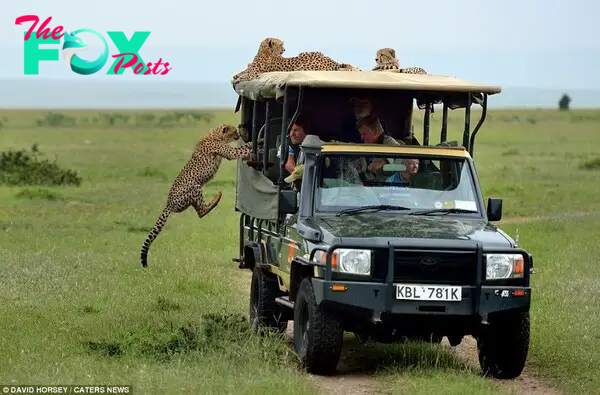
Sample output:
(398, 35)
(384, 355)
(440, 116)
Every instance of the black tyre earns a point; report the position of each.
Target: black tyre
(318, 335)
(265, 313)
(503, 345)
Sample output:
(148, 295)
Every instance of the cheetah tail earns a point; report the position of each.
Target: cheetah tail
(158, 226)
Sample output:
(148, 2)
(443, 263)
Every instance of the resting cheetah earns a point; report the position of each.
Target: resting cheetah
(270, 58)
(186, 190)
(386, 61)
(361, 107)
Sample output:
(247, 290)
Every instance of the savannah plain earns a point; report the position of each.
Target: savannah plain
(77, 307)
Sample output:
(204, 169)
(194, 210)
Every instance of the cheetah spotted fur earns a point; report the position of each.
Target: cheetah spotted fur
(204, 163)
(361, 107)
(270, 58)
(386, 61)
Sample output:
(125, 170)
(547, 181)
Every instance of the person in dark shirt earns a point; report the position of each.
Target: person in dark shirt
(371, 132)
(298, 133)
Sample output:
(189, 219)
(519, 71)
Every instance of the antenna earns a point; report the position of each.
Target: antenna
(517, 238)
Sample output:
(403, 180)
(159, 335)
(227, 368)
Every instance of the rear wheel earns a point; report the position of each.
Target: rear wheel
(503, 345)
(318, 335)
(265, 313)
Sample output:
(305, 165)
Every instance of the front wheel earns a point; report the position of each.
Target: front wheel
(265, 313)
(318, 335)
(504, 344)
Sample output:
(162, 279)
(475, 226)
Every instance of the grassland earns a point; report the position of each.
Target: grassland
(78, 308)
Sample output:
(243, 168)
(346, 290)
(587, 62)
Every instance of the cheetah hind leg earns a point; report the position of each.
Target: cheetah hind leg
(203, 208)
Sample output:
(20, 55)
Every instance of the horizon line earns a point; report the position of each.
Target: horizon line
(132, 78)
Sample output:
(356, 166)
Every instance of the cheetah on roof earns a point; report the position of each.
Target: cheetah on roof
(270, 58)
(386, 61)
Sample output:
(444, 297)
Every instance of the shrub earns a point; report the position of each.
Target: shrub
(56, 119)
(26, 168)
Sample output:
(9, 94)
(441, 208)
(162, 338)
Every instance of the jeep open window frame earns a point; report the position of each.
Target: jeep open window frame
(460, 164)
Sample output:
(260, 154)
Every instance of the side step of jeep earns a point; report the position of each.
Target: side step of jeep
(285, 301)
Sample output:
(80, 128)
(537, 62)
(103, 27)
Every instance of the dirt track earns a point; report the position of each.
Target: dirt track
(352, 381)
(524, 384)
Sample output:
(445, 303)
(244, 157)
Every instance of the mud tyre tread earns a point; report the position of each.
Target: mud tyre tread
(264, 313)
(319, 345)
(504, 345)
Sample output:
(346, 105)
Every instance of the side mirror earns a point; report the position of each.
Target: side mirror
(494, 209)
(288, 201)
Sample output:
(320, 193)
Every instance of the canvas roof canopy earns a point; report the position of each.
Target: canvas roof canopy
(271, 85)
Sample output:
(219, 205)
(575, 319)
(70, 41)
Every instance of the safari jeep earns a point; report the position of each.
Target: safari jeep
(338, 248)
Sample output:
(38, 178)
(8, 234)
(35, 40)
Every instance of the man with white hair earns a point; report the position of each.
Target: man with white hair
(403, 178)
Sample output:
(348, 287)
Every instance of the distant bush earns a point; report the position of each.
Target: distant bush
(592, 164)
(26, 168)
(563, 103)
(56, 119)
(105, 119)
(548, 117)
(585, 117)
(38, 193)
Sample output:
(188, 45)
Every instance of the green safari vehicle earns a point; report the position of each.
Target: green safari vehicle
(346, 249)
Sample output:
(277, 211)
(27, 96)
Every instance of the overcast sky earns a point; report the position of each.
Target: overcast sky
(531, 42)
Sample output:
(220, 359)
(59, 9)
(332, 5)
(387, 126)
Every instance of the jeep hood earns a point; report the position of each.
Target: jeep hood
(384, 224)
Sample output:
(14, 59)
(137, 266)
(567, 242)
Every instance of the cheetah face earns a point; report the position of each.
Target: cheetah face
(362, 107)
(229, 133)
(273, 46)
(385, 54)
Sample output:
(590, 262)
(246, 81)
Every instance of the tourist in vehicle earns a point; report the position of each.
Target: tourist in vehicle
(371, 132)
(403, 178)
(298, 132)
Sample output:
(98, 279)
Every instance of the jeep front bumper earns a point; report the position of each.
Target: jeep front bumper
(479, 297)
(382, 298)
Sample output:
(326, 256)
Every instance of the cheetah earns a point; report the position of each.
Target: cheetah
(361, 107)
(386, 61)
(270, 58)
(204, 163)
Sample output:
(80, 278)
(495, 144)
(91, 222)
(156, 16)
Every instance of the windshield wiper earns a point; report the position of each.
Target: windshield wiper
(442, 211)
(375, 207)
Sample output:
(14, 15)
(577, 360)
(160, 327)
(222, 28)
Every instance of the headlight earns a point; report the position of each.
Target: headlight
(354, 261)
(348, 260)
(501, 266)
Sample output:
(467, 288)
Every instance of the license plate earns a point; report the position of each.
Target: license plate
(428, 292)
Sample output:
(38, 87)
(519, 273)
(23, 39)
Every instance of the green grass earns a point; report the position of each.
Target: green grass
(565, 324)
(78, 308)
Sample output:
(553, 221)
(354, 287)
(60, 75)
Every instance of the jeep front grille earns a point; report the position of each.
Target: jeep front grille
(428, 267)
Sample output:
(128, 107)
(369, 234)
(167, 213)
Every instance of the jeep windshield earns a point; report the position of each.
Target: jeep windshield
(353, 183)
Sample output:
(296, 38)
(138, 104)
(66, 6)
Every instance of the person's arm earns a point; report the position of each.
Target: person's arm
(377, 164)
(391, 141)
(291, 163)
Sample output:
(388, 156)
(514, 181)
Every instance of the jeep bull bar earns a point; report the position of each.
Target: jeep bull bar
(480, 296)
